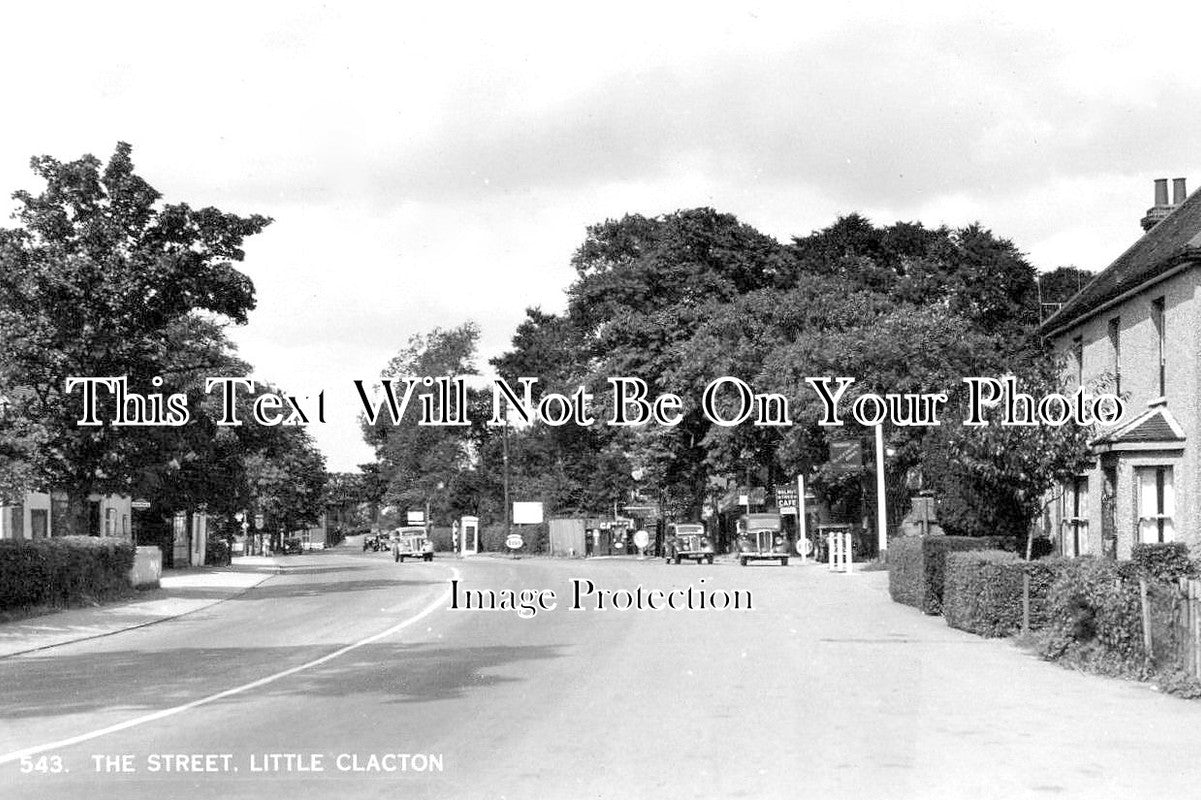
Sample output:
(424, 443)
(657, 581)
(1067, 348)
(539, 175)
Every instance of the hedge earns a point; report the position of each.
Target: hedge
(983, 592)
(905, 571)
(916, 566)
(1096, 614)
(63, 570)
(1166, 562)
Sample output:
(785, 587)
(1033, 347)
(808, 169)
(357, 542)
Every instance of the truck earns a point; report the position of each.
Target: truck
(687, 541)
(760, 538)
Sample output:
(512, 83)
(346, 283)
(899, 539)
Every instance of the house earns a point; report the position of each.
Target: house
(40, 514)
(1135, 329)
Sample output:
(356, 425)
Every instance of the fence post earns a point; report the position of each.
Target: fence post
(1146, 609)
(1194, 596)
(1025, 603)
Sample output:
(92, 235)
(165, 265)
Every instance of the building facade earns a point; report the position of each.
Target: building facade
(38, 515)
(1135, 330)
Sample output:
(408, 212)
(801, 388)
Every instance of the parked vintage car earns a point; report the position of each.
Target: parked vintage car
(292, 546)
(687, 541)
(375, 542)
(761, 539)
(411, 542)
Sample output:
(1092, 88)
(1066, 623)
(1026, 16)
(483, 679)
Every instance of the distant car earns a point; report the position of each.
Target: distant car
(292, 546)
(411, 542)
(762, 539)
(375, 542)
(687, 541)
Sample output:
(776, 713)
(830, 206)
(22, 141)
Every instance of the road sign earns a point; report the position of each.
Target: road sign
(514, 541)
(140, 505)
(258, 522)
(527, 513)
(786, 498)
(416, 517)
(846, 456)
(641, 539)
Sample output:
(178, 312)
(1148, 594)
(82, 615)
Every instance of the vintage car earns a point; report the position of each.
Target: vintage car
(411, 542)
(760, 538)
(687, 541)
(375, 542)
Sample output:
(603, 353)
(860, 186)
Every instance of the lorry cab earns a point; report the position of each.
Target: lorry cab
(411, 542)
(761, 539)
(687, 541)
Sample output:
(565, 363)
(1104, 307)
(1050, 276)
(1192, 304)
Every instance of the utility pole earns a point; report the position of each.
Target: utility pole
(881, 508)
(505, 450)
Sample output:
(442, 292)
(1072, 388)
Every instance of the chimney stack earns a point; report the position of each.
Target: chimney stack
(1161, 192)
(1157, 212)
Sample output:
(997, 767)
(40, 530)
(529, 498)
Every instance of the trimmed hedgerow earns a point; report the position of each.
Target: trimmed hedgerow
(1096, 617)
(916, 566)
(983, 592)
(63, 570)
(905, 571)
(1166, 562)
(935, 550)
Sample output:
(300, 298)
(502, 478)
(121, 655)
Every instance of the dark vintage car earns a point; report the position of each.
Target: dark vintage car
(375, 542)
(761, 539)
(292, 546)
(687, 541)
(411, 542)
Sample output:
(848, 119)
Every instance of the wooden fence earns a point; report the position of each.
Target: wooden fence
(1172, 623)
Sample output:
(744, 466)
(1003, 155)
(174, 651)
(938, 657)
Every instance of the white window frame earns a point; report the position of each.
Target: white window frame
(1156, 514)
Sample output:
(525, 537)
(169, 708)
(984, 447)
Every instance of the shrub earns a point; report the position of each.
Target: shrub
(916, 565)
(1166, 562)
(535, 538)
(934, 558)
(905, 572)
(63, 570)
(1095, 616)
(983, 592)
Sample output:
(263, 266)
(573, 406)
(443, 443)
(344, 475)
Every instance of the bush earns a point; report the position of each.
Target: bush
(1095, 617)
(905, 572)
(1166, 562)
(916, 566)
(934, 559)
(983, 592)
(217, 551)
(63, 571)
(535, 537)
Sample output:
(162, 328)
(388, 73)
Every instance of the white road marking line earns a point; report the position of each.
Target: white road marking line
(16, 755)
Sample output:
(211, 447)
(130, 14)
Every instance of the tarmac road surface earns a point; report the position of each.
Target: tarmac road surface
(352, 676)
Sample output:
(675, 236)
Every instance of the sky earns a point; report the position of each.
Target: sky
(427, 164)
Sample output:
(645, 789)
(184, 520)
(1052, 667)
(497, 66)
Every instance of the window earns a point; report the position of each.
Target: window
(1115, 341)
(110, 522)
(1156, 504)
(1157, 317)
(1078, 354)
(1075, 517)
(39, 523)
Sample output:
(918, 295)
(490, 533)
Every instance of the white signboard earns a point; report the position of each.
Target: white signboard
(527, 513)
(513, 541)
(416, 517)
(642, 539)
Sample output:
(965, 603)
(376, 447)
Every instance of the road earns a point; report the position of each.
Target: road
(310, 684)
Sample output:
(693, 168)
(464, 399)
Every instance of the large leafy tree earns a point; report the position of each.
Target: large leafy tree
(420, 464)
(96, 280)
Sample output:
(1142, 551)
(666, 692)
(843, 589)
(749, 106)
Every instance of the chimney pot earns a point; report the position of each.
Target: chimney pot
(1178, 192)
(1161, 191)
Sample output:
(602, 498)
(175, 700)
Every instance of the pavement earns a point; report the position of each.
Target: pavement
(347, 675)
(180, 592)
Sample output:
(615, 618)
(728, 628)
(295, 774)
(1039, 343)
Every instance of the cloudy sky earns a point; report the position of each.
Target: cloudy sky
(427, 165)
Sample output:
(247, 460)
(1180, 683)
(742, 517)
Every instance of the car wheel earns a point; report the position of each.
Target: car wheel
(709, 559)
(742, 561)
(784, 562)
(678, 559)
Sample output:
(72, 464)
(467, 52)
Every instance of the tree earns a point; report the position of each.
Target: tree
(95, 282)
(419, 462)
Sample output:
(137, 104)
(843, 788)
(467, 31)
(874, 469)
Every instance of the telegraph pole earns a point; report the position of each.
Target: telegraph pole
(505, 450)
